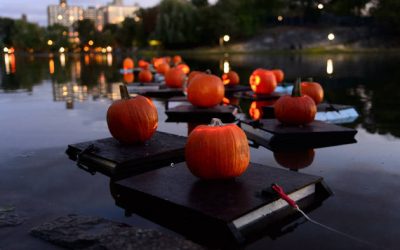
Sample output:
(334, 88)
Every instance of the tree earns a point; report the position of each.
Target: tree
(86, 30)
(27, 36)
(127, 33)
(58, 34)
(200, 3)
(6, 28)
(387, 13)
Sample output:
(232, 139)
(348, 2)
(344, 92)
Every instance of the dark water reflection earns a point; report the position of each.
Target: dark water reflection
(54, 101)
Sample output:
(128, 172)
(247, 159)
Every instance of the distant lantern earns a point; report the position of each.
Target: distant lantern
(280, 18)
(320, 6)
(49, 42)
(90, 42)
(109, 49)
(331, 36)
(5, 50)
(226, 38)
(61, 50)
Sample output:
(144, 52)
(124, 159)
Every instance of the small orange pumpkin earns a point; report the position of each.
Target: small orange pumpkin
(176, 60)
(163, 68)
(313, 90)
(295, 159)
(128, 63)
(129, 78)
(262, 81)
(279, 75)
(231, 78)
(143, 64)
(174, 78)
(296, 109)
(217, 151)
(145, 76)
(132, 120)
(184, 67)
(205, 90)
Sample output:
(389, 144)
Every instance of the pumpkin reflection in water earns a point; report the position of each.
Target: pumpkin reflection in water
(255, 110)
(295, 158)
(231, 78)
(129, 78)
(230, 101)
(262, 81)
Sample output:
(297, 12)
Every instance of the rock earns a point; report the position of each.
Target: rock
(9, 218)
(84, 232)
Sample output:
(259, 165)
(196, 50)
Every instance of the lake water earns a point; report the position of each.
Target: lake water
(47, 103)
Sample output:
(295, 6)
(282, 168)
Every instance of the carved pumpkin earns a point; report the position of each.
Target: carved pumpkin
(295, 159)
(163, 68)
(205, 90)
(143, 64)
(128, 63)
(313, 90)
(255, 110)
(129, 78)
(145, 76)
(296, 109)
(176, 60)
(174, 78)
(132, 120)
(184, 67)
(262, 81)
(279, 75)
(231, 78)
(217, 151)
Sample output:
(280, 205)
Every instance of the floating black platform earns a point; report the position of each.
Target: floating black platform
(190, 113)
(250, 95)
(113, 159)
(162, 92)
(217, 213)
(270, 133)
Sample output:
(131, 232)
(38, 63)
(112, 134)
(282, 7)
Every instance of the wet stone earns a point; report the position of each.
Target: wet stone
(84, 232)
(9, 218)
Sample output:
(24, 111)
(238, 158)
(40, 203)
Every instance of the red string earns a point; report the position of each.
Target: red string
(284, 196)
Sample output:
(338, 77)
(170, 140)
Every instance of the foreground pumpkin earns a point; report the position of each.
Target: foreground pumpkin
(262, 81)
(313, 90)
(296, 109)
(217, 151)
(231, 78)
(175, 78)
(145, 76)
(205, 90)
(132, 120)
(128, 63)
(279, 75)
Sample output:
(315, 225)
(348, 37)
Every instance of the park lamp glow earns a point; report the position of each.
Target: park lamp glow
(280, 18)
(320, 6)
(109, 49)
(90, 42)
(61, 50)
(331, 36)
(5, 50)
(49, 42)
(226, 38)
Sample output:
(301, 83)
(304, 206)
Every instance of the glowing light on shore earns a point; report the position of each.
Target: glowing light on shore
(90, 42)
(226, 38)
(331, 36)
(61, 50)
(320, 6)
(280, 18)
(5, 50)
(49, 42)
(329, 66)
(109, 49)
(51, 66)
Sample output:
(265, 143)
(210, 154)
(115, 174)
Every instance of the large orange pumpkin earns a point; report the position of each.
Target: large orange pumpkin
(296, 109)
(205, 90)
(174, 78)
(129, 78)
(192, 75)
(163, 68)
(279, 75)
(295, 159)
(313, 90)
(217, 151)
(262, 81)
(132, 120)
(231, 78)
(128, 63)
(145, 76)
(184, 67)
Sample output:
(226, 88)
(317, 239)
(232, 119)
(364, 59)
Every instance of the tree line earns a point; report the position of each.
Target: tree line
(186, 24)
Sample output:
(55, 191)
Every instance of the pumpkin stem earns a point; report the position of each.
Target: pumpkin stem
(216, 122)
(208, 72)
(124, 92)
(310, 79)
(297, 88)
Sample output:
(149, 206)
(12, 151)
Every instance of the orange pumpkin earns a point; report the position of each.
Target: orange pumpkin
(132, 120)
(143, 64)
(295, 159)
(296, 109)
(174, 78)
(192, 75)
(313, 90)
(262, 81)
(231, 78)
(128, 63)
(230, 100)
(217, 151)
(177, 60)
(205, 90)
(145, 76)
(163, 68)
(129, 78)
(279, 75)
(184, 67)
(157, 61)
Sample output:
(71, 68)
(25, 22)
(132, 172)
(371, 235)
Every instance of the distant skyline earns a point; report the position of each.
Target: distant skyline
(36, 10)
